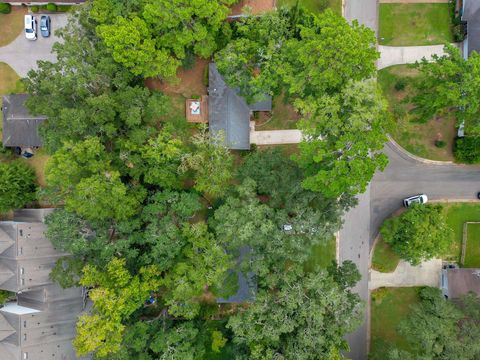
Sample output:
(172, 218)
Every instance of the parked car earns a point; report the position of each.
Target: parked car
(416, 199)
(45, 25)
(30, 27)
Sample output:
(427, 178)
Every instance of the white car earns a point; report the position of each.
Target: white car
(30, 27)
(416, 199)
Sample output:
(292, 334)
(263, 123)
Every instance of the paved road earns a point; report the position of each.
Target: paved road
(365, 11)
(22, 54)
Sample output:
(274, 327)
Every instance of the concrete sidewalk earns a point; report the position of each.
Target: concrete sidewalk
(406, 275)
(396, 55)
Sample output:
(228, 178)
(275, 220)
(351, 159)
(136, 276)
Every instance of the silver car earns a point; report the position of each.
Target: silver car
(30, 27)
(416, 199)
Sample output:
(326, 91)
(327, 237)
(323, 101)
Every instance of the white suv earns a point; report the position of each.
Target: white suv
(417, 199)
(30, 27)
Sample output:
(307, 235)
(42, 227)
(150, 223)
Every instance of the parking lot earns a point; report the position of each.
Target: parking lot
(22, 54)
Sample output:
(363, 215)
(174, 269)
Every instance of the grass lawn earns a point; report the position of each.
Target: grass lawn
(322, 255)
(384, 259)
(315, 5)
(283, 116)
(9, 83)
(417, 138)
(414, 24)
(11, 25)
(457, 215)
(472, 254)
(389, 307)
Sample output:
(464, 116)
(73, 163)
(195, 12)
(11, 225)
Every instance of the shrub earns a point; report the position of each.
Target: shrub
(458, 33)
(467, 149)
(189, 61)
(400, 84)
(51, 7)
(440, 143)
(5, 8)
(63, 8)
(17, 185)
(35, 8)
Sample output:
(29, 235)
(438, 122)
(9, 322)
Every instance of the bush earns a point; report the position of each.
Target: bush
(35, 9)
(458, 33)
(63, 8)
(5, 8)
(189, 61)
(51, 7)
(467, 149)
(400, 84)
(440, 143)
(17, 185)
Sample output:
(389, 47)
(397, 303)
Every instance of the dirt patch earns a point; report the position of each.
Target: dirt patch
(191, 81)
(256, 6)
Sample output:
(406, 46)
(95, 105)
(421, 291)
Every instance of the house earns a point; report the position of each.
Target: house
(228, 113)
(458, 282)
(471, 15)
(20, 128)
(40, 323)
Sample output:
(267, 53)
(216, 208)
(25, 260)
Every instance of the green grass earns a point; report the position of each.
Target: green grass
(384, 259)
(283, 116)
(417, 138)
(322, 255)
(457, 215)
(389, 307)
(315, 5)
(472, 254)
(414, 24)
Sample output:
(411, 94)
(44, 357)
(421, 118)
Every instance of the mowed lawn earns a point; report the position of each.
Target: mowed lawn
(414, 24)
(315, 5)
(418, 138)
(384, 259)
(457, 215)
(322, 255)
(389, 307)
(472, 254)
(11, 25)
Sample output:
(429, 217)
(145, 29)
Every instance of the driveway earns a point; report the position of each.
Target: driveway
(22, 54)
(364, 11)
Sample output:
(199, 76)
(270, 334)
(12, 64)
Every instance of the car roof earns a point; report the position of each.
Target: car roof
(28, 19)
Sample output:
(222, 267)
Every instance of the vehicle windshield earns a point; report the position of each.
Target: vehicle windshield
(44, 28)
(29, 31)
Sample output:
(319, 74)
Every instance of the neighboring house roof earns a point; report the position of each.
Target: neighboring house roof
(229, 113)
(459, 282)
(40, 325)
(20, 128)
(471, 14)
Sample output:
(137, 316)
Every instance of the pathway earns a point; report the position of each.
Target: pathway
(396, 55)
(275, 137)
(22, 54)
(405, 275)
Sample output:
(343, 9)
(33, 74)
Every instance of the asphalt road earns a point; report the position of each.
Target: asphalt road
(22, 54)
(365, 11)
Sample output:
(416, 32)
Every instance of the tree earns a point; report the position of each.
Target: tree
(203, 263)
(211, 162)
(447, 84)
(161, 33)
(116, 296)
(419, 234)
(17, 185)
(305, 317)
(343, 134)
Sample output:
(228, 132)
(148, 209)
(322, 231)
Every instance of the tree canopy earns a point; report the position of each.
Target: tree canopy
(17, 185)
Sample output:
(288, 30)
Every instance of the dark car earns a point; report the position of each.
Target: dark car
(45, 25)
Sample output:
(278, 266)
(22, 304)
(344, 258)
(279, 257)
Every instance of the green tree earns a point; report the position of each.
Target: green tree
(343, 135)
(17, 185)
(419, 234)
(211, 163)
(448, 84)
(151, 38)
(117, 294)
(305, 317)
(67, 271)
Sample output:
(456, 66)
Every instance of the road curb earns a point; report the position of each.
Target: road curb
(417, 158)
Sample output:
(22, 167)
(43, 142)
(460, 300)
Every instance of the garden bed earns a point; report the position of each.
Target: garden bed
(421, 139)
(415, 24)
(389, 306)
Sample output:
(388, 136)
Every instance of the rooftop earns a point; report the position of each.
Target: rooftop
(462, 281)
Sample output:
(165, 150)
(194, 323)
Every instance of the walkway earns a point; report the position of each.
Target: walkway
(396, 55)
(405, 275)
(22, 54)
(274, 137)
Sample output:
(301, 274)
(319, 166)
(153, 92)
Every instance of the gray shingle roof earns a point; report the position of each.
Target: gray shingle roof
(229, 113)
(462, 281)
(471, 14)
(20, 128)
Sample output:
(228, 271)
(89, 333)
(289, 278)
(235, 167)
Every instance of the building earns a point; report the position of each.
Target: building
(20, 128)
(228, 113)
(458, 282)
(471, 15)
(40, 324)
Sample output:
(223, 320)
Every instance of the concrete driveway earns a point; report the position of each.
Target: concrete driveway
(395, 55)
(364, 11)
(22, 54)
